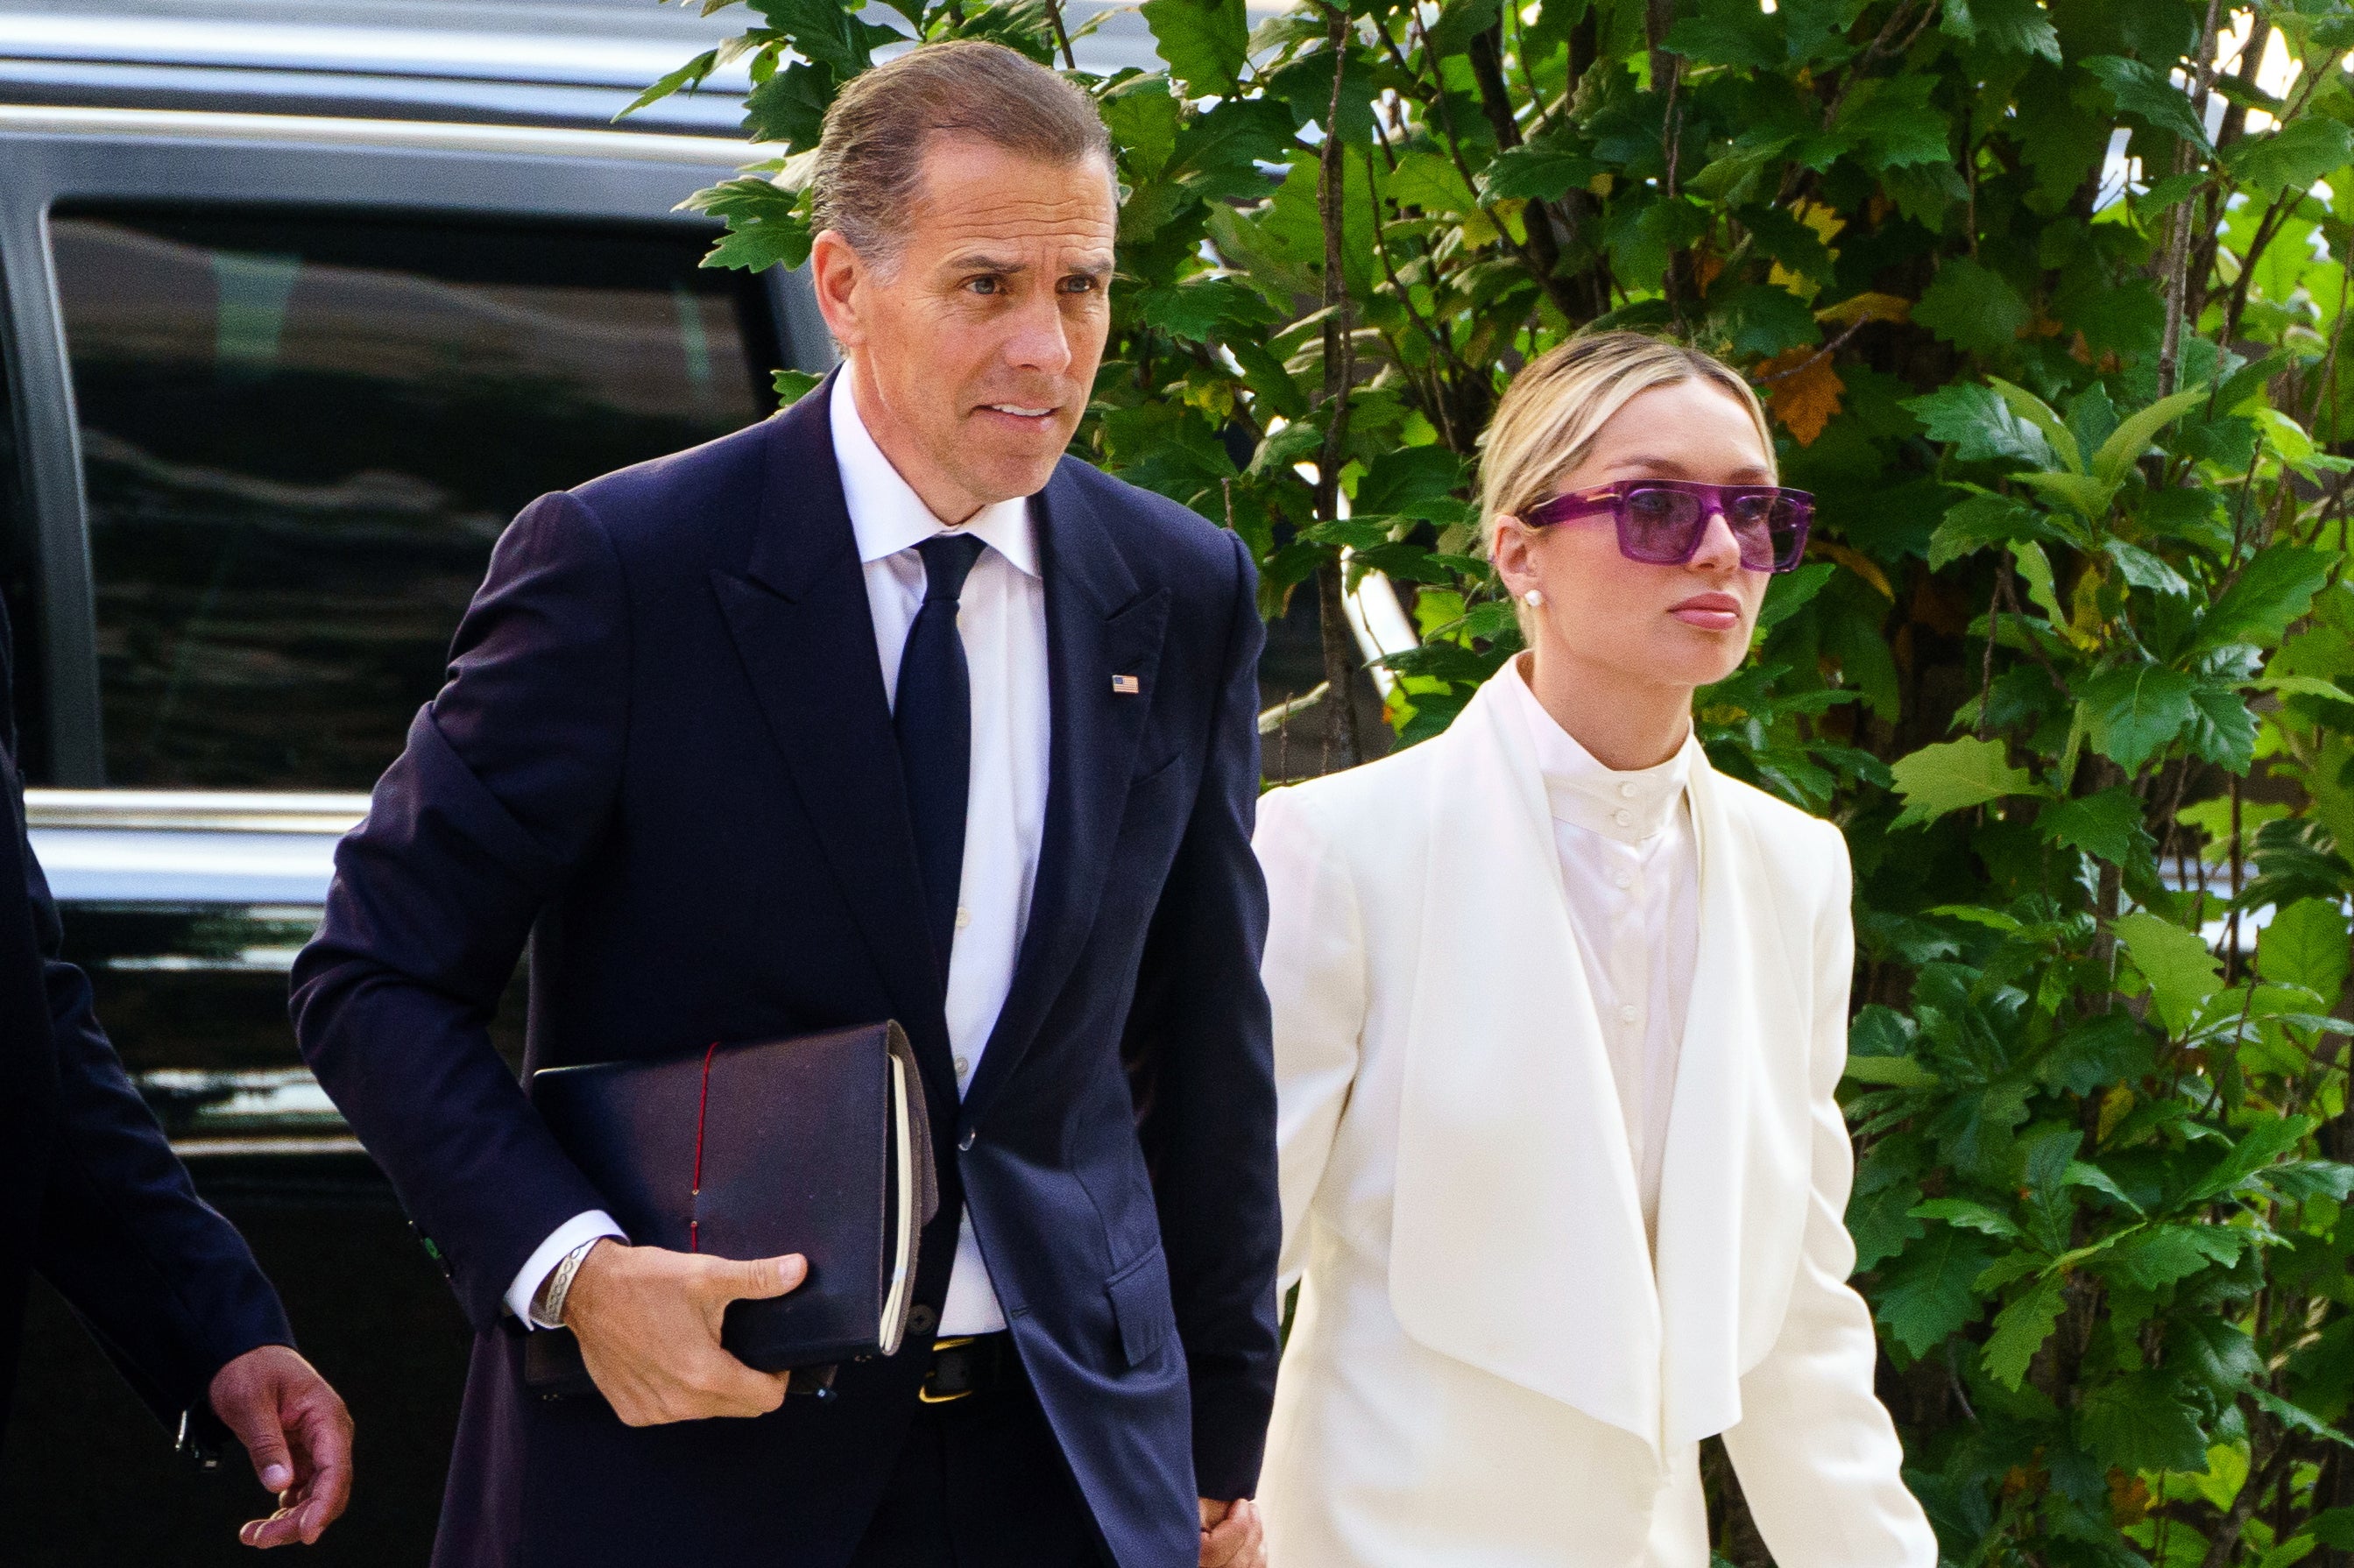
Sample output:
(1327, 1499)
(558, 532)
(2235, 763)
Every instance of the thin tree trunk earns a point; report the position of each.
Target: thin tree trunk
(1343, 748)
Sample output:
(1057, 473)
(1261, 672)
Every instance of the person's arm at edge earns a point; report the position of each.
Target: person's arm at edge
(1315, 977)
(1817, 1457)
(507, 776)
(1208, 1120)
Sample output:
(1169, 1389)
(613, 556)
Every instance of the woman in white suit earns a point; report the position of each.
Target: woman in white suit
(1558, 1014)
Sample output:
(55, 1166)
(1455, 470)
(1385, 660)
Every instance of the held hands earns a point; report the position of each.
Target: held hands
(298, 1435)
(1231, 1536)
(648, 1321)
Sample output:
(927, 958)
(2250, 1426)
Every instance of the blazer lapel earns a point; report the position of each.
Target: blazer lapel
(1099, 624)
(1517, 1241)
(1734, 1184)
(800, 620)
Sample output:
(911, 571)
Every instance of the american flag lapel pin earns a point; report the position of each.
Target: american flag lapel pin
(1125, 686)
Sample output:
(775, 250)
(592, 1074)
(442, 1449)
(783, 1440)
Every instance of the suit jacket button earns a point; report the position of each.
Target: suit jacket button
(965, 1143)
(922, 1320)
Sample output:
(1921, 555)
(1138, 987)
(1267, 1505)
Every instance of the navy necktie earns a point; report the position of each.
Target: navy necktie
(933, 716)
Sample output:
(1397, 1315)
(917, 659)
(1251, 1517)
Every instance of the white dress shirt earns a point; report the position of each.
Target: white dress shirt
(1631, 872)
(1002, 618)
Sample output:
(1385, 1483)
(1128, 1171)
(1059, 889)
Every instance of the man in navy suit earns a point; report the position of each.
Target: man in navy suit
(93, 1200)
(882, 708)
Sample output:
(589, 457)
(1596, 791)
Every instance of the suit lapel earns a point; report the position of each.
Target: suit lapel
(1098, 624)
(1734, 1186)
(800, 623)
(1517, 1240)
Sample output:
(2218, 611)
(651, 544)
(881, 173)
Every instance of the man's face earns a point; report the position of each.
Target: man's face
(972, 351)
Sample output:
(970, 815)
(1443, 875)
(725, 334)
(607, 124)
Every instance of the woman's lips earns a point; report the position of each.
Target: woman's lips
(1708, 611)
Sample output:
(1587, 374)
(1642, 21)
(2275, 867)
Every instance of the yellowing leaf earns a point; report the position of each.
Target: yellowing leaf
(1860, 565)
(1803, 388)
(1866, 308)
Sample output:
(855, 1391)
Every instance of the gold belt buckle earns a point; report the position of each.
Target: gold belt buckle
(926, 1394)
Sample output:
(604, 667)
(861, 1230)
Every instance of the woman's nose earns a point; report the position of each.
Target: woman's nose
(1719, 550)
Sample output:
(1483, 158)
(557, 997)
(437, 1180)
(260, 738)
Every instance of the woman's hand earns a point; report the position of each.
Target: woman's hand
(1232, 1534)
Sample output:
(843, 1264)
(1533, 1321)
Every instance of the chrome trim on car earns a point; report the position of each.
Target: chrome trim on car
(195, 811)
(531, 141)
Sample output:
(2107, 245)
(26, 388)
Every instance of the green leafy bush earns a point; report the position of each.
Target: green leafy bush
(2046, 302)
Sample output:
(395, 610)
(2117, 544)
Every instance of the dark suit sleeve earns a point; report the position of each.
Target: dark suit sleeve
(508, 776)
(1201, 1042)
(167, 1285)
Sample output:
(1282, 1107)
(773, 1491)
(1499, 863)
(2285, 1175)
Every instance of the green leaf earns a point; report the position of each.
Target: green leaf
(1969, 1215)
(2305, 150)
(2006, 27)
(2222, 727)
(2140, 1422)
(1142, 116)
(1205, 42)
(1786, 593)
(824, 33)
(2020, 1329)
(2306, 944)
(1982, 519)
(2155, 1259)
(1881, 1224)
(2180, 970)
(2264, 1143)
(1973, 308)
(2036, 568)
(1952, 775)
(1542, 169)
(2143, 569)
(687, 77)
(1896, 123)
(1979, 426)
(765, 225)
(2037, 412)
(2107, 824)
(792, 386)
(2275, 588)
(2133, 711)
(2145, 93)
(2126, 443)
(2218, 1353)
(1728, 32)
(2298, 1418)
(1197, 309)
(1892, 1072)
(1925, 1294)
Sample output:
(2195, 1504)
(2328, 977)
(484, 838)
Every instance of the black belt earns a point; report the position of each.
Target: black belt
(970, 1364)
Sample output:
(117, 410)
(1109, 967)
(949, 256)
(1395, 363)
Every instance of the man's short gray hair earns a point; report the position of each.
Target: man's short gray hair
(870, 159)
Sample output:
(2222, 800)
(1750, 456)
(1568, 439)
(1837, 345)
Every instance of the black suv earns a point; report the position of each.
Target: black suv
(293, 322)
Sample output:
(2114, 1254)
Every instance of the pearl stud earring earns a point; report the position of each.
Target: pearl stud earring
(1533, 599)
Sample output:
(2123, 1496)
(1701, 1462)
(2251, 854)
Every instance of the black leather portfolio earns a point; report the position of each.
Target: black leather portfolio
(817, 1145)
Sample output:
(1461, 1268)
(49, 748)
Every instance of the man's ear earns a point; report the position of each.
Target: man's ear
(836, 273)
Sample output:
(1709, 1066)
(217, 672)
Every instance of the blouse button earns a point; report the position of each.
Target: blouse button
(1627, 1012)
(1627, 791)
(1625, 879)
(1622, 816)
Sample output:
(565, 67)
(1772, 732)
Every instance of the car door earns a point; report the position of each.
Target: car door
(278, 383)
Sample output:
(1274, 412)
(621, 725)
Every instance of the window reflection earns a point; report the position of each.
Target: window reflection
(301, 436)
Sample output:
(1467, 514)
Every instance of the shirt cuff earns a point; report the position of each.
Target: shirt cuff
(581, 1227)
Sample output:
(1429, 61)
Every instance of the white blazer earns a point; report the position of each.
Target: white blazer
(1489, 1367)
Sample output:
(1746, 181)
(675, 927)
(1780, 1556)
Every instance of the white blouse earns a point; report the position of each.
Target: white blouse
(1630, 871)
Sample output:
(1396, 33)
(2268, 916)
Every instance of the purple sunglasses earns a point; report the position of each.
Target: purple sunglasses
(1661, 522)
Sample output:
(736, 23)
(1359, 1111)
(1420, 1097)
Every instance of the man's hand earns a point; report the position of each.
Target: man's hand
(648, 1321)
(298, 1435)
(1231, 1536)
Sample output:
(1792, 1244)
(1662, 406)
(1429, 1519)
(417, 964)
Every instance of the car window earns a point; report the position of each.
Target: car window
(302, 433)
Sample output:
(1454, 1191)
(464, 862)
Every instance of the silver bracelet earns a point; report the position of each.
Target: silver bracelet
(559, 1283)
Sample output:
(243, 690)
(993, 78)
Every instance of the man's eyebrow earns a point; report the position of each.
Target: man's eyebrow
(981, 262)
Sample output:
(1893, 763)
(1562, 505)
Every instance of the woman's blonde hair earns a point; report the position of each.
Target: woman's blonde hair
(1557, 403)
